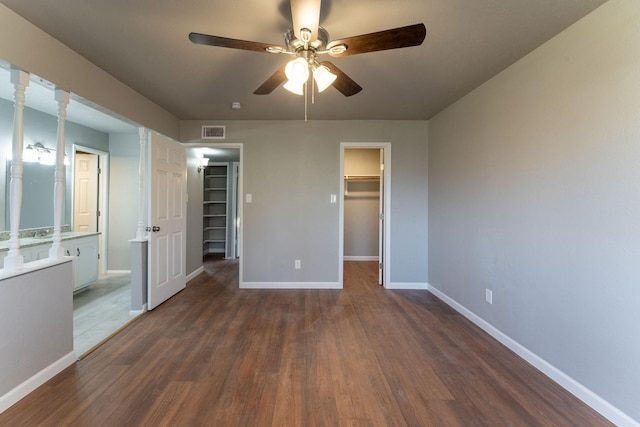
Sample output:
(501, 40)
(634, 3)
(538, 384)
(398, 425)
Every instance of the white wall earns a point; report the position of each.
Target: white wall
(533, 193)
(292, 167)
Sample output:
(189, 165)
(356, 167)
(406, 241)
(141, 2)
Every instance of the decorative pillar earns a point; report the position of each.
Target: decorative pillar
(141, 234)
(14, 259)
(139, 245)
(57, 251)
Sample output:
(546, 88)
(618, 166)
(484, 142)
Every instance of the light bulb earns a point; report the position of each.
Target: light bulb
(297, 70)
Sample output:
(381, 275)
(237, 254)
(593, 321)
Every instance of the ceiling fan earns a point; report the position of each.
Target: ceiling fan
(307, 41)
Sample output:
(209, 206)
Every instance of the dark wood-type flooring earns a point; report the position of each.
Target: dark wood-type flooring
(216, 355)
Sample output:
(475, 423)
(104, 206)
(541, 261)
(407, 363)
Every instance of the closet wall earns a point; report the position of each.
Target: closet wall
(361, 204)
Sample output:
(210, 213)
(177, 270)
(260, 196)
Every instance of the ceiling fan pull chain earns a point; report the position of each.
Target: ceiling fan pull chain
(306, 92)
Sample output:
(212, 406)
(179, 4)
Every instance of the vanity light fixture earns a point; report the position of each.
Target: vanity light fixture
(203, 163)
(38, 153)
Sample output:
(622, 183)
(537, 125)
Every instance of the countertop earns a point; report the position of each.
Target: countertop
(35, 241)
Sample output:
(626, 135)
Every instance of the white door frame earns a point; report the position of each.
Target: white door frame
(386, 183)
(240, 237)
(103, 199)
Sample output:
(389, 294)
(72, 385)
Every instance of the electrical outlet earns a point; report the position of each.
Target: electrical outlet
(488, 295)
(297, 264)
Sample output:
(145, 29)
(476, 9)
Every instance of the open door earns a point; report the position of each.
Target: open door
(167, 219)
(381, 222)
(85, 200)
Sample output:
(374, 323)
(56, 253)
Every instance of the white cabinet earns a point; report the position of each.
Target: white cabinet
(85, 263)
(83, 248)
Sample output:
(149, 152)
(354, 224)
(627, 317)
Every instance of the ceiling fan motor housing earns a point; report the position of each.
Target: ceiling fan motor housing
(295, 44)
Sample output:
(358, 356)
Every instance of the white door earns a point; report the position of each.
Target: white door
(85, 199)
(167, 219)
(381, 222)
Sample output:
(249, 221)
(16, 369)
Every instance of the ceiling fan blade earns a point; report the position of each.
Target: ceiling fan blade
(411, 35)
(306, 14)
(208, 40)
(343, 83)
(272, 82)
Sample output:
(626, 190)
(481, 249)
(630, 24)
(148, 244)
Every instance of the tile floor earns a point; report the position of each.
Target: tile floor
(100, 310)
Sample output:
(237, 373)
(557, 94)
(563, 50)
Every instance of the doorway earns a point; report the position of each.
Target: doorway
(365, 206)
(90, 196)
(104, 306)
(221, 203)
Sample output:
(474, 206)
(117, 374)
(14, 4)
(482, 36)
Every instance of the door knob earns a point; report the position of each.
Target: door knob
(155, 229)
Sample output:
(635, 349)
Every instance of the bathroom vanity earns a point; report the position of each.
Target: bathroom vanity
(82, 246)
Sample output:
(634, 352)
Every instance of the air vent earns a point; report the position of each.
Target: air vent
(213, 132)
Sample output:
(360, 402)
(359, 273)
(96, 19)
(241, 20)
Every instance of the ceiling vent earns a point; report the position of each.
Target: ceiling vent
(213, 132)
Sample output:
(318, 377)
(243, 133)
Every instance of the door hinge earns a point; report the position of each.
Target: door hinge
(98, 256)
(99, 171)
(380, 265)
(381, 216)
(98, 213)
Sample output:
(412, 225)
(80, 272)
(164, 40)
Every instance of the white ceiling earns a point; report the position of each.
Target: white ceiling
(144, 44)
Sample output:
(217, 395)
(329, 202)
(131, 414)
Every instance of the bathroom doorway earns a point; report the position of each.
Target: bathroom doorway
(104, 306)
(90, 196)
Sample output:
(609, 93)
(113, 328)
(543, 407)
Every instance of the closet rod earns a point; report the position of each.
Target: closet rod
(361, 177)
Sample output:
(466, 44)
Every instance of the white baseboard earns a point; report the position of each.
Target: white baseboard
(118, 271)
(408, 285)
(138, 312)
(596, 402)
(13, 396)
(290, 285)
(194, 273)
(360, 258)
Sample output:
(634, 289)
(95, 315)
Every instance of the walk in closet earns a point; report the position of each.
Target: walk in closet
(220, 209)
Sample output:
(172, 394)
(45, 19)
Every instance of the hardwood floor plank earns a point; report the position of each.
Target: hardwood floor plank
(363, 356)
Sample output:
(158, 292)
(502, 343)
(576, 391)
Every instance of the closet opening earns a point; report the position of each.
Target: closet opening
(365, 206)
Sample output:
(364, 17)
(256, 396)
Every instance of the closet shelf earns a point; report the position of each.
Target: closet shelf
(362, 177)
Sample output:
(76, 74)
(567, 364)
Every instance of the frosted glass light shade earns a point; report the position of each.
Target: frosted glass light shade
(297, 70)
(323, 77)
(294, 87)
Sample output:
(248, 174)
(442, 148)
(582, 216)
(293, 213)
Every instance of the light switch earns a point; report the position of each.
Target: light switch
(334, 198)
(247, 198)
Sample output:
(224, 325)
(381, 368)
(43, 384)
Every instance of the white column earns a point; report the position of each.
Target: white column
(57, 251)
(14, 259)
(141, 234)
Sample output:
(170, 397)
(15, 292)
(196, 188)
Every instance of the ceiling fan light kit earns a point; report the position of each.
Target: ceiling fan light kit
(313, 42)
(323, 77)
